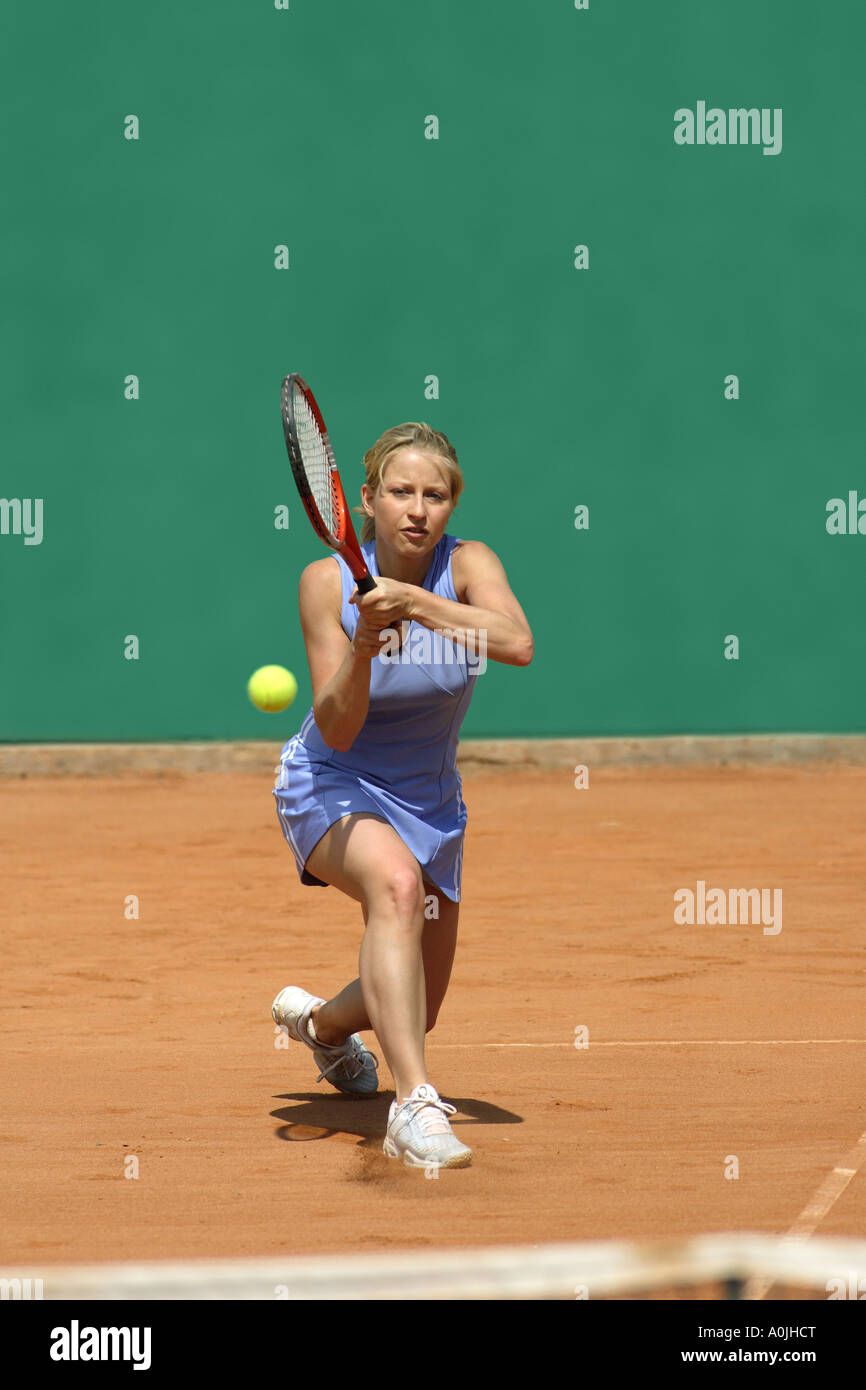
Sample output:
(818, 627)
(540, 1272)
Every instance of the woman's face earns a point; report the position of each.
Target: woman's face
(412, 504)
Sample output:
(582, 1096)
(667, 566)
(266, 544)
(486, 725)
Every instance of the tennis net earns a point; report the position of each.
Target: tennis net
(716, 1266)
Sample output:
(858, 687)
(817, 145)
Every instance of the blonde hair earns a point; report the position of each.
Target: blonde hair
(412, 435)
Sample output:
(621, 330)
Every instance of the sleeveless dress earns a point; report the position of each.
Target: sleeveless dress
(402, 765)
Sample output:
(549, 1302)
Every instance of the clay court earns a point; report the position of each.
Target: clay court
(152, 1038)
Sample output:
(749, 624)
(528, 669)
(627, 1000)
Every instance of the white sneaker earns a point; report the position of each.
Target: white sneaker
(348, 1066)
(419, 1132)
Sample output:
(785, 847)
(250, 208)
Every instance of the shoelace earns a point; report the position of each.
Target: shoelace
(348, 1058)
(353, 1063)
(435, 1122)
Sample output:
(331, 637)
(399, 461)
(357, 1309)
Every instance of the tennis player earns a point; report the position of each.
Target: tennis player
(369, 796)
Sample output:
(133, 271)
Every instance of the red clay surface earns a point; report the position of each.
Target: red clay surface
(152, 1037)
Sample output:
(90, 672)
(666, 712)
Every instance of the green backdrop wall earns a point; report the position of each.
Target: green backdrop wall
(693, 377)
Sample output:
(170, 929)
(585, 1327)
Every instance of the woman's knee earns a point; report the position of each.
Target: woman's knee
(399, 889)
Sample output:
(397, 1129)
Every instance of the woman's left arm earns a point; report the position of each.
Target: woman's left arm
(490, 608)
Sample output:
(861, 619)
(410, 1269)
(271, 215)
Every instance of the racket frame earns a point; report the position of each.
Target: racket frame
(345, 543)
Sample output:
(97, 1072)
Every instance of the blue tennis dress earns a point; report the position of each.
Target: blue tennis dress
(403, 763)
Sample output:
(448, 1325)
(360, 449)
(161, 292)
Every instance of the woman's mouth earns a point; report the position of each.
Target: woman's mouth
(414, 531)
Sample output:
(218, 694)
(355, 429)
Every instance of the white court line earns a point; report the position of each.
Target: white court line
(819, 1204)
(669, 1042)
(829, 1191)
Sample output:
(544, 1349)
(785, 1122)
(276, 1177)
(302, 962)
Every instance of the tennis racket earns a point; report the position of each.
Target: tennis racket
(318, 481)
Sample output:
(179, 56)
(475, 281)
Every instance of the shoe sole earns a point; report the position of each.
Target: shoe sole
(413, 1161)
(292, 1028)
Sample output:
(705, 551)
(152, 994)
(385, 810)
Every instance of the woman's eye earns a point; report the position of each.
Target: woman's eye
(401, 492)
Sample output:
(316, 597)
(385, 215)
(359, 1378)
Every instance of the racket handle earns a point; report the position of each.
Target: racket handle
(366, 584)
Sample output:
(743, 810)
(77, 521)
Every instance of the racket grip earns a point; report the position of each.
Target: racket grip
(366, 584)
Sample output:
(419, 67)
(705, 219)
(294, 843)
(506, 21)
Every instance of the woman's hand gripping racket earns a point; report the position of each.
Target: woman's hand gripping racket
(315, 473)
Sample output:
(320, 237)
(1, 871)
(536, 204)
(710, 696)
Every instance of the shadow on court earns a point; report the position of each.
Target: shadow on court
(314, 1116)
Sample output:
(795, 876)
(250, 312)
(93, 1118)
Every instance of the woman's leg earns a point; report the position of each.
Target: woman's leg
(438, 946)
(363, 856)
(346, 1013)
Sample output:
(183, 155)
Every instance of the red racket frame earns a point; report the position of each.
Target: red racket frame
(345, 541)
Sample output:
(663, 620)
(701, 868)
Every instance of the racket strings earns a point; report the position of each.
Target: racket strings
(316, 459)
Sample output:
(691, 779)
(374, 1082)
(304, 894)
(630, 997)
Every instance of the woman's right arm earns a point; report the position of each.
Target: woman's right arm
(339, 669)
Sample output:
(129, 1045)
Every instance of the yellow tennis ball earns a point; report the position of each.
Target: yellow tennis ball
(272, 688)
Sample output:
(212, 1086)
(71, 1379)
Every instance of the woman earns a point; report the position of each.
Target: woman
(369, 797)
